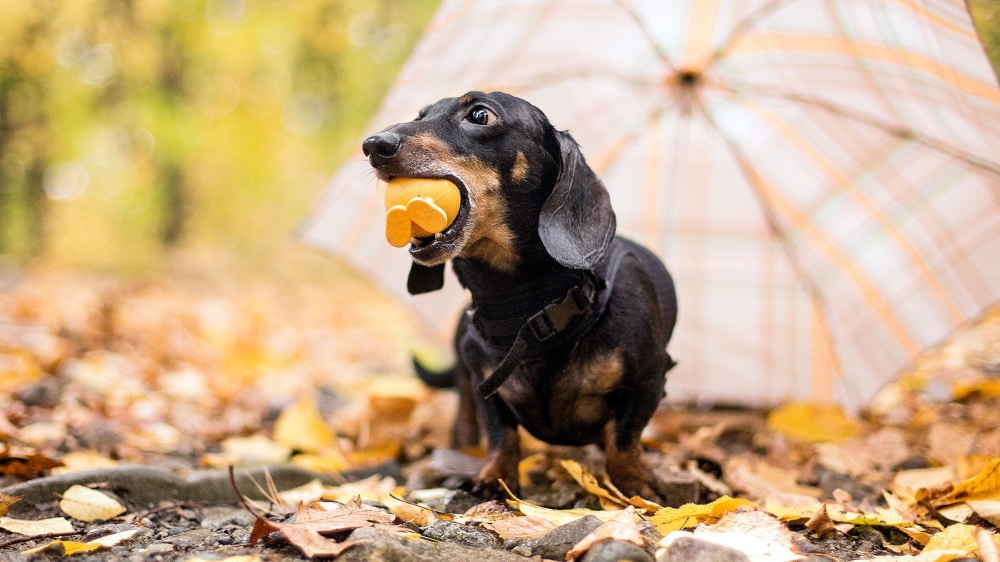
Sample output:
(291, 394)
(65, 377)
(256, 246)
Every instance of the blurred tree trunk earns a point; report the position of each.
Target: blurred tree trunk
(171, 172)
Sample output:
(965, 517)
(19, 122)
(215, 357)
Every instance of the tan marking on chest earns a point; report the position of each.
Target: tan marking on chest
(581, 394)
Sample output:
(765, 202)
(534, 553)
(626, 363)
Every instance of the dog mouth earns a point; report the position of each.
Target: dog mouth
(436, 248)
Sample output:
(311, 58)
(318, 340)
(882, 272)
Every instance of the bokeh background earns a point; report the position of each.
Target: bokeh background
(132, 131)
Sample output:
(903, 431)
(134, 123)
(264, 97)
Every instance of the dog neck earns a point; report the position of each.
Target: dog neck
(503, 301)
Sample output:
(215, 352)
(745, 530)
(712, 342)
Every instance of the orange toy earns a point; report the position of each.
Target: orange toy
(419, 207)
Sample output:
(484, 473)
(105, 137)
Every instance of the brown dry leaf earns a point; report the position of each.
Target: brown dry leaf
(86, 504)
(300, 426)
(759, 481)
(589, 483)
(987, 509)
(6, 501)
(671, 519)
(813, 423)
(332, 461)
(820, 523)
(37, 527)
(621, 528)
(522, 527)
(26, 467)
(948, 442)
(306, 532)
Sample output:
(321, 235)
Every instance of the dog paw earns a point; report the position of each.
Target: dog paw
(499, 467)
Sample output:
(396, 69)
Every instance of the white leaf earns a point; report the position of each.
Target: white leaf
(38, 527)
(86, 504)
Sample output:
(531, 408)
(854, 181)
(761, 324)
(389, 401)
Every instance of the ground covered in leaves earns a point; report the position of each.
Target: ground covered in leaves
(124, 402)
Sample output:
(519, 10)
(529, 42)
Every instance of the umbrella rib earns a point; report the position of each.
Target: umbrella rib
(647, 34)
(745, 25)
(907, 134)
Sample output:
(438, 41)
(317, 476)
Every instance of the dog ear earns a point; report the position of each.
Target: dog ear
(577, 223)
(425, 279)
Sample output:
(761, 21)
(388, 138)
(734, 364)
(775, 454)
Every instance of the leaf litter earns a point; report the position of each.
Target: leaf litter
(98, 373)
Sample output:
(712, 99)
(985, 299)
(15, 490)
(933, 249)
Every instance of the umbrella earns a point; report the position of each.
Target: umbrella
(822, 177)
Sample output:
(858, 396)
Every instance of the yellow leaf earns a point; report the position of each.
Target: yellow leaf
(956, 537)
(560, 516)
(331, 461)
(37, 527)
(813, 423)
(86, 504)
(83, 460)
(585, 479)
(68, 547)
(301, 426)
(669, 519)
(983, 486)
(794, 512)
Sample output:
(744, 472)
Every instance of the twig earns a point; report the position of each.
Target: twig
(20, 540)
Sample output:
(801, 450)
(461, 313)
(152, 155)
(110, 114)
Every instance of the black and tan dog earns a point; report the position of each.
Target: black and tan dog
(568, 326)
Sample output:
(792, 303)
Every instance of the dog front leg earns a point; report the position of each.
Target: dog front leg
(624, 458)
(503, 447)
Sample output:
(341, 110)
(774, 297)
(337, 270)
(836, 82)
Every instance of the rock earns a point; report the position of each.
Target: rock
(379, 546)
(158, 548)
(830, 481)
(12, 557)
(215, 517)
(448, 462)
(458, 501)
(681, 487)
(44, 393)
(189, 539)
(101, 435)
(557, 542)
(449, 531)
(615, 551)
(690, 549)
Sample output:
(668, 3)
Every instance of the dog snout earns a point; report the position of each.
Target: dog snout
(381, 148)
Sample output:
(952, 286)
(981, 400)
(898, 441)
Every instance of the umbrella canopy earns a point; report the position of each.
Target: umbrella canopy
(822, 177)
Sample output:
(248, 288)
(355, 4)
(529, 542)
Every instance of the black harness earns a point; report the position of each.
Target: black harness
(564, 320)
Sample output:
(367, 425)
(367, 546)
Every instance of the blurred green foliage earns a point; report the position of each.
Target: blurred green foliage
(132, 126)
(128, 127)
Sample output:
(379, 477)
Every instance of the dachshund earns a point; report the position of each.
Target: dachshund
(567, 331)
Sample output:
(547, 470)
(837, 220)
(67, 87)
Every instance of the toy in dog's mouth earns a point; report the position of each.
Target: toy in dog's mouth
(429, 214)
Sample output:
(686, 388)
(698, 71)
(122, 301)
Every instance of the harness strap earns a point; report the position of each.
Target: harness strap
(544, 325)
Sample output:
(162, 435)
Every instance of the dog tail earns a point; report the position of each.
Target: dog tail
(435, 379)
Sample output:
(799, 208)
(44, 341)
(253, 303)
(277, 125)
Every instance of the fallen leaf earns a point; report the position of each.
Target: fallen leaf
(521, 527)
(6, 501)
(86, 504)
(559, 516)
(306, 531)
(589, 483)
(671, 519)
(300, 426)
(26, 467)
(256, 449)
(621, 528)
(37, 527)
(987, 509)
(983, 486)
(74, 547)
(67, 547)
(79, 461)
(332, 461)
(820, 523)
(813, 423)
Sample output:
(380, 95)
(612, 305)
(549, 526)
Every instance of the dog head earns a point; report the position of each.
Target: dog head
(526, 191)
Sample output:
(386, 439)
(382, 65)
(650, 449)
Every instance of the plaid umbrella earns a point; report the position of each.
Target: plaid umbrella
(822, 177)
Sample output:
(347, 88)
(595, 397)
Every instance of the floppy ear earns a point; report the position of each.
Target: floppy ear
(424, 279)
(576, 224)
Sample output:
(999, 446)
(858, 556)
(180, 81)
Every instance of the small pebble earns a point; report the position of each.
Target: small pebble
(615, 551)
(557, 542)
(449, 531)
(157, 548)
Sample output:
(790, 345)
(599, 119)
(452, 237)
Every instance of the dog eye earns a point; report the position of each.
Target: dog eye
(481, 116)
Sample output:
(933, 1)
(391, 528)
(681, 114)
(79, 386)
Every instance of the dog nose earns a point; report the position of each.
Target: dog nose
(381, 148)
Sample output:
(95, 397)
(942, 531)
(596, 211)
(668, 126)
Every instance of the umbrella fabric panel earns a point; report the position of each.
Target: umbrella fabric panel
(817, 174)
